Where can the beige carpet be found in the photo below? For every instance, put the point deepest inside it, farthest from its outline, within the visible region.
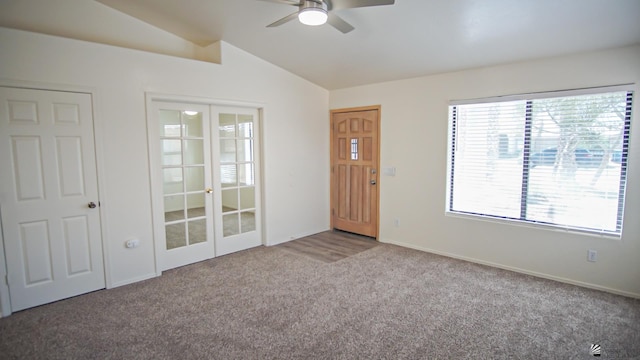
(383, 303)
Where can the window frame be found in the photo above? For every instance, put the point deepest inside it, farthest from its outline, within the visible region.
(453, 128)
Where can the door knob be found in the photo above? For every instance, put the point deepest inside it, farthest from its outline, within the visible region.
(92, 205)
(208, 190)
(373, 182)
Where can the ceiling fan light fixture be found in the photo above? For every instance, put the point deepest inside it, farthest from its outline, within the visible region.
(313, 16)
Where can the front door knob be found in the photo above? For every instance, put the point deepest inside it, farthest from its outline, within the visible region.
(373, 182)
(92, 205)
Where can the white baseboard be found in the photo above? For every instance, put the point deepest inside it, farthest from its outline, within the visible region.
(134, 280)
(515, 269)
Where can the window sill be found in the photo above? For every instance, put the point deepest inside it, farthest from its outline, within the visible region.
(533, 225)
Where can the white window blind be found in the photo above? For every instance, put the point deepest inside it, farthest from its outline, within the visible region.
(556, 160)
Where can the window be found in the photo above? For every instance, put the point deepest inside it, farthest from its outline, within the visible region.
(556, 158)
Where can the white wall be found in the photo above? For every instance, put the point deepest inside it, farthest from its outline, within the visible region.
(295, 131)
(414, 111)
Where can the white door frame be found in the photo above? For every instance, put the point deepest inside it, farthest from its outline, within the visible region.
(5, 302)
(151, 97)
(5, 299)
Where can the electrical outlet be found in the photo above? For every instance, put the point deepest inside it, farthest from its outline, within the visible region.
(592, 255)
(133, 243)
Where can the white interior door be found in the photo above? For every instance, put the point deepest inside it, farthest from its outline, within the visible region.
(237, 173)
(49, 196)
(181, 183)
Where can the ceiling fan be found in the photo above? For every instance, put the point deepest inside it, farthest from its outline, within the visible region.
(318, 12)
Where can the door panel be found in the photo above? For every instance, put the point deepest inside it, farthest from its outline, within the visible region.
(354, 164)
(75, 229)
(69, 159)
(52, 238)
(27, 167)
(36, 251)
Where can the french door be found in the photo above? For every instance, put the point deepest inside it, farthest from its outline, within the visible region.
(182, 179)
(237, 173)
(204, 181)
(50, 208)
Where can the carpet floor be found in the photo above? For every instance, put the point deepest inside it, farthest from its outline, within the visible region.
(386, 302)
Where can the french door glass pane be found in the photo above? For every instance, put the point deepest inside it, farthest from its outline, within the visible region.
(227, 150)
(245, 150)
(248, 221)
(197, 231)
(231, 225)
(173, 183)
(245, 126)
(227, 125)
(173, 208)
(228, 175)
(247, 197)
(229, 200)
(194, 177)
(176, 236)
(245, 174)
(193, 152)
(193, 125)
(169, 123)
(171, 152)
(195, 205)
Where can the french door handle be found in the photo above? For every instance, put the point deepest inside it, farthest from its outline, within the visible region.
(208, 190)
(373, 182)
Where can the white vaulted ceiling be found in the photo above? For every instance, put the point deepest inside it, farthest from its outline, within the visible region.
(411, 38)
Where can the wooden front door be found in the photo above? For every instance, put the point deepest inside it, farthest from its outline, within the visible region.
(354, 170)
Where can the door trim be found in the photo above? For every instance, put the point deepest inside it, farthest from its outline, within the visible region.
(98, 144)
(5, 298)
(377, 163)
(150, 98)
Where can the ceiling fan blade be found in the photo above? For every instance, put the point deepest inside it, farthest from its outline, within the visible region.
(285, 19)
(337, 22)
(285, 2)
(350, 4)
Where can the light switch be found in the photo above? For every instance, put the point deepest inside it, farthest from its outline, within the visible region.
(389, 171)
